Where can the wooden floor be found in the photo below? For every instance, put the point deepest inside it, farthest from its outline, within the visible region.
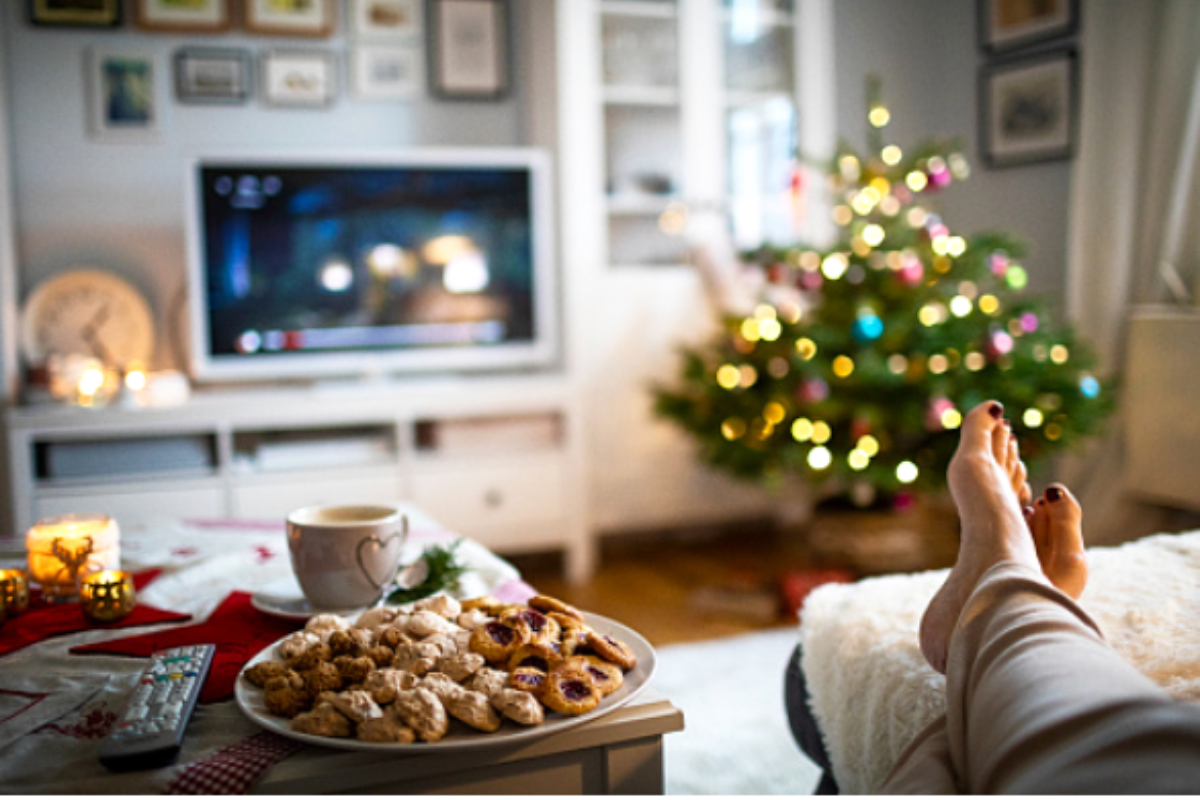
(665, 585)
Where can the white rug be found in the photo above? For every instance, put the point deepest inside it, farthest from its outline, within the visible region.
(736, 739)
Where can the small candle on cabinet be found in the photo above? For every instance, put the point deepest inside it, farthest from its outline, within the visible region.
(61, 549)
(14, 590)
(107, 596)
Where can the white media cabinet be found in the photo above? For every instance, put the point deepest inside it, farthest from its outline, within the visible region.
(495, 458)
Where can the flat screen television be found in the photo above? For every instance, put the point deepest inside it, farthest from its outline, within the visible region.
(319, 265)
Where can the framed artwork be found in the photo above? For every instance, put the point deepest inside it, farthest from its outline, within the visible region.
(1028, 109)
(1009, 24)
(468, 51)
(183, 16)
(298, 78)
(123, 96)
(388, 72)
(86, 13)
(209, 75)
(313, 18)
(386, 19)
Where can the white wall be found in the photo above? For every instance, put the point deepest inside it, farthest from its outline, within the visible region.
(120, 206)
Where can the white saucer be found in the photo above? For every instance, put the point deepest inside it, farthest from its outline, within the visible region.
(294, 608)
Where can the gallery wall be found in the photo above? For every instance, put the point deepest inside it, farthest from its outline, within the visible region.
(78, 200)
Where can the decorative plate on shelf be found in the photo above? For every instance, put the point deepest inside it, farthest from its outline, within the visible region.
(250, 699)
(87, 312)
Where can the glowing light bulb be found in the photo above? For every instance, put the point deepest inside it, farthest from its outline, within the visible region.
(938, 364)
(960, 306)
(916, 181)
(1032, 418)
(842, 215)
(728, 376)
(806, 348)
(750, 330)
(843, 366)
(897, 364)
(858, 460)
(821, 432)
(774, 413)
(1016, 277)
(747, 376)
(891, 155)
(733, 428)
(819, 458)
(957, 246)
(1089, 386)
(802, 429)
(906, 472)
(849, 167)
(951, 419)
(975, 361)
(879, 116)
(834, 266)
(917, 217)
(873, 235)
(890, 205)
(769, 329)
(1059, 354)
(868, 444)
(989, 304)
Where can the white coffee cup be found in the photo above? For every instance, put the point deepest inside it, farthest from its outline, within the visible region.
(345, 556)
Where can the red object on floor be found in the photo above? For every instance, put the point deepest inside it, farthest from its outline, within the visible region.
(796, 586)
(237, 628)
(44, 620)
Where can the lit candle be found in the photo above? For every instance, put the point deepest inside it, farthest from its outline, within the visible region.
(107, 596)
(64, 548)
(14, 590)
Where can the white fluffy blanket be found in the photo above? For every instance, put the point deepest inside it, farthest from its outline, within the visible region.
(871, 691)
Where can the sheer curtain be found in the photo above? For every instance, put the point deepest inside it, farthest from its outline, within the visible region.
(1135, 207)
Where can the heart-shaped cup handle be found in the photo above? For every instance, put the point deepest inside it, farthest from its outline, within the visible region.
(381, 543)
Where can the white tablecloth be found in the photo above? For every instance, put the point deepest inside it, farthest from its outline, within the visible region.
(55, 708)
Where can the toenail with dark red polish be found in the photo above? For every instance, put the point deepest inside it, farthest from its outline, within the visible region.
(996, 410)
(1054, 493)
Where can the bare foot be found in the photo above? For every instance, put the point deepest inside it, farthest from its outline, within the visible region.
(982, 482)
(1058, 536)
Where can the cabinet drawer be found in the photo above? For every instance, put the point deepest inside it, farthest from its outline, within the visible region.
(136, 506)
(274, 498)
(507, 507)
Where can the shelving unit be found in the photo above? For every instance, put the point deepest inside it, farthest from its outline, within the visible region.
(495, 458)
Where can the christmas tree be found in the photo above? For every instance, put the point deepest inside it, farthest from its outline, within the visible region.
(861, 358)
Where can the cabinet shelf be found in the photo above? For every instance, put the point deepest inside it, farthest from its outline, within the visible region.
(642, 8)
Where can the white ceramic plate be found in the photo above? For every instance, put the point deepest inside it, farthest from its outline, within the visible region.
(294, 608)
(250, 699)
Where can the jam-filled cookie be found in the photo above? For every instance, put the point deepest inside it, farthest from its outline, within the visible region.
(608, 677)
(612, 650)
(496, 641)
(528, 679)
(540, 655)
(540, 627)
(547, 604)
(570, 691)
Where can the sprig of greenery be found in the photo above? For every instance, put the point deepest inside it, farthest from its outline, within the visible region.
(445, 572)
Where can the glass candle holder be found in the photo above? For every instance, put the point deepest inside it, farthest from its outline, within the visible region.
(62, 549)
(107, 596)
(14, 590)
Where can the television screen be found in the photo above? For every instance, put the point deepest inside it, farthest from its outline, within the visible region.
(411, 261)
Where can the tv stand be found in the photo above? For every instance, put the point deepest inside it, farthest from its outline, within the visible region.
(497, 458)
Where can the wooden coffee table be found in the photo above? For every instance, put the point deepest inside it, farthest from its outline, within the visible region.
(619, 753)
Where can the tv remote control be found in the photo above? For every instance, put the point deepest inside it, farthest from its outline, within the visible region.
(150, 731)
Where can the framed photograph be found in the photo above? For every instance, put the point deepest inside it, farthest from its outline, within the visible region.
(298, 78)
(386, 19)
(1009, 24)
(313, 18)
(85, 13)
(206, 75)
(123, 96)
(183, 16)
(468, 51)
(1028, 109)
(388, 72)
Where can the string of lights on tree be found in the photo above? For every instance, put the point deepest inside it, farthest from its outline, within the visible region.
(863, 375)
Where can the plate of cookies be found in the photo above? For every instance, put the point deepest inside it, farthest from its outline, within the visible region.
(443, 673)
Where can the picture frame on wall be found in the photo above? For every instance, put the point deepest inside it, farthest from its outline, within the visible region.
(386, 19)
(311, 18)
(1006, 25)
(82, 13)
(123, 105)
(468, 51)
(298, 78)
(1028, 109)
(191, 16)
(208, 75)
(388, 72)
